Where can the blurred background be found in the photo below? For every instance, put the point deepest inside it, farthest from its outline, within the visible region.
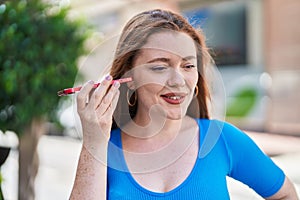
(255, 45)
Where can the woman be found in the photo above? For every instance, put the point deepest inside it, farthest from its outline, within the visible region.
(152, 138)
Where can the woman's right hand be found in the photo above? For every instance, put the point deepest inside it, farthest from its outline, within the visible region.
(95, 109)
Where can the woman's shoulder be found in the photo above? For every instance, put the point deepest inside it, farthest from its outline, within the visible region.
(220, 124)
(234, 137)
(226, 130)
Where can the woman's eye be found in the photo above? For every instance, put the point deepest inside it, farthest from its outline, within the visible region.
(158, 68)
(189, 66)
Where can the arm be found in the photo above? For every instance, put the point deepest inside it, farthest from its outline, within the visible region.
(96, 119)
(90, 181)
(254, 168)
(286, 192)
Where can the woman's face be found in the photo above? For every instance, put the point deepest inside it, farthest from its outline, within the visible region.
(165, 74)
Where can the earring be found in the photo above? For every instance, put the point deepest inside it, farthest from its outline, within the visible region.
(196, 91)
(128, 98)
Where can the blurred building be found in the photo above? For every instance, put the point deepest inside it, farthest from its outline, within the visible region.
(258, 43)
(255, 44)
(282, 60)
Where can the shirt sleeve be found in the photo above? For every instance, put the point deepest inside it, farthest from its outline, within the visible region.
(250, 165)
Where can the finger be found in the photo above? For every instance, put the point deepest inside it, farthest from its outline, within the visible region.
(108, 98)
(83, 94)
(114, 103)
(108, 114)
(100, 92)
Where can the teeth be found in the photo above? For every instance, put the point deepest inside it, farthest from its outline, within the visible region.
(175, 97)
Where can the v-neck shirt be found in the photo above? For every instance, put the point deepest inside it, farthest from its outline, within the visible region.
(224, 150)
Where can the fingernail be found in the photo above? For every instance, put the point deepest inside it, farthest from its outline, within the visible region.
(116, 84)
(108, 77)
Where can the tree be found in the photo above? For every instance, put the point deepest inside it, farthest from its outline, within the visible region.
(39, 49)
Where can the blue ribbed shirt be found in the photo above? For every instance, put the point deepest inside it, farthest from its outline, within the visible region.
(224, 151)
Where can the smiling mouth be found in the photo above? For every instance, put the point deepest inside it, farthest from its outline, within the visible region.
(172, 98)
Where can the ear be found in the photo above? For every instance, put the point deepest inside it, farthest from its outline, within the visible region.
(131, 85)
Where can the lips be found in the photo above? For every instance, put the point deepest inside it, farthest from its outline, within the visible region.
(174, 98)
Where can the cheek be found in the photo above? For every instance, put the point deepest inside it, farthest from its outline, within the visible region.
(142, 78)
(191, 80)
(149, 89)
(148, 93)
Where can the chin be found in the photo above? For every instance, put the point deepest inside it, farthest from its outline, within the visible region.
(171, 113)
(176, 116)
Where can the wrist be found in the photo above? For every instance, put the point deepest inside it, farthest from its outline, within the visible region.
(96, 145)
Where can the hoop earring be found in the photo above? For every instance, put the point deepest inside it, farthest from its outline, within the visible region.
(196, 91)
(128, 98)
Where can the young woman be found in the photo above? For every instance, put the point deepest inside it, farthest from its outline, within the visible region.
(152, 138)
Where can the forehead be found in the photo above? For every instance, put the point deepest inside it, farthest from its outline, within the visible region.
(177, 43)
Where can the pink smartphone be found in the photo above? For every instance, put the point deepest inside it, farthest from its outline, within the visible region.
(68, 91)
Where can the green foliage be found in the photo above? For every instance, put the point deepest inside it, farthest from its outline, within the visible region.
(242, 103)
(39, 48)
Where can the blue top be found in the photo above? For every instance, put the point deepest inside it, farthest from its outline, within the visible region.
(224, 151)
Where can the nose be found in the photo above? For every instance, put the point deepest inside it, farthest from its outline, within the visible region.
(175, 79)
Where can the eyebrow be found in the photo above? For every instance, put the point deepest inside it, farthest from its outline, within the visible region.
(189, 58)
(166, 60)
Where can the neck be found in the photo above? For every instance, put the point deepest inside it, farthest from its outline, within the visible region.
(155, 123)
(147, 137)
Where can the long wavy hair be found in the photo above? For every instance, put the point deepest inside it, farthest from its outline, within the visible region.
(135, 35)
